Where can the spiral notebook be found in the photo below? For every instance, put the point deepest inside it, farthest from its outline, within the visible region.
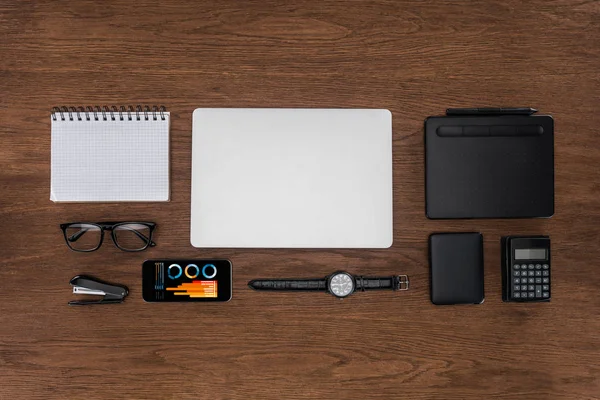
(102, 154)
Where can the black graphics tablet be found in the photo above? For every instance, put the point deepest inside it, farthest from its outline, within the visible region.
(489, 166)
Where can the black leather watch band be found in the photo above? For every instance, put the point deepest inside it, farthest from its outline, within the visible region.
(392, 282)
(288, 284)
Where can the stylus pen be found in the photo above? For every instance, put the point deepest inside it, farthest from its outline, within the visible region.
(491, 111)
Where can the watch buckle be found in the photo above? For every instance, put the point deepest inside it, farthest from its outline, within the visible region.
(403, 282)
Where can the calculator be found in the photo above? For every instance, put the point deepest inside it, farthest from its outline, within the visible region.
(526, 268)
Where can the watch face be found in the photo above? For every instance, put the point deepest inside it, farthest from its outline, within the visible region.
(341, 284)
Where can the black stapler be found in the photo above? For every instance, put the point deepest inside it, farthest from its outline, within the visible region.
(91, 286)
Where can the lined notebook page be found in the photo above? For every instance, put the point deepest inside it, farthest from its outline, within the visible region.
(110, 160)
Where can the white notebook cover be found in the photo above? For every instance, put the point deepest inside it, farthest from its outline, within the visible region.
(109, 161)
(292, 178)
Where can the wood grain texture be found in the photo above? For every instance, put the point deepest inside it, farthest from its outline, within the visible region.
(414, 58)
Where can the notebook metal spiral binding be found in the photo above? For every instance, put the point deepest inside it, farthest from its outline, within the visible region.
(104, 113)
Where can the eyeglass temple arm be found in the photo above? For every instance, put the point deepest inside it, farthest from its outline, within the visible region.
(74, 237)
(140, 235)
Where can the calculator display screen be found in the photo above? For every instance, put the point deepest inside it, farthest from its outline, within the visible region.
(530, 254)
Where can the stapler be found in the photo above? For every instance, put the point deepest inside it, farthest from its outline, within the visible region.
(87, 285)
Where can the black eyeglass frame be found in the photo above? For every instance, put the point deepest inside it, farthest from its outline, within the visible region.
(110, 226)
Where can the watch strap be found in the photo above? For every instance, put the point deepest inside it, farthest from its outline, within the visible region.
(396, 282)
(288, 284)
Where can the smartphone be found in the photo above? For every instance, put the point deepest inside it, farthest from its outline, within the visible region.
(186, 280)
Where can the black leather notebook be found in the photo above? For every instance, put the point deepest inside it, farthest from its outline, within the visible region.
(456, 261)
(489, 166)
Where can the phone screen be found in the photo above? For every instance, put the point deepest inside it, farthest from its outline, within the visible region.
(186, 280)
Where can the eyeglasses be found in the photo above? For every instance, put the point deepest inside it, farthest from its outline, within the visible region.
(127, 236)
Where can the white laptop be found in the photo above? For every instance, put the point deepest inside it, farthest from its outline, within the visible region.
(291, 178)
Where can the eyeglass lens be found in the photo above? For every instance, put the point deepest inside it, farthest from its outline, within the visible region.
(131, 236)
(83, 237)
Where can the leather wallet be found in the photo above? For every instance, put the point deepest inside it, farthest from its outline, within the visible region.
(456, 261)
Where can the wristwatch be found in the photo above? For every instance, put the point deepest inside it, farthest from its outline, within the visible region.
(340, 284)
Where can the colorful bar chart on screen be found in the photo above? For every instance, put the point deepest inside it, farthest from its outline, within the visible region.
(196, 289)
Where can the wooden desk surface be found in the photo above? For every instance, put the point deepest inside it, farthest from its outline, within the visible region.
(415, 59)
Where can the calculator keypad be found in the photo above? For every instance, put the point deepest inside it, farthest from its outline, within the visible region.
(530, 282)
